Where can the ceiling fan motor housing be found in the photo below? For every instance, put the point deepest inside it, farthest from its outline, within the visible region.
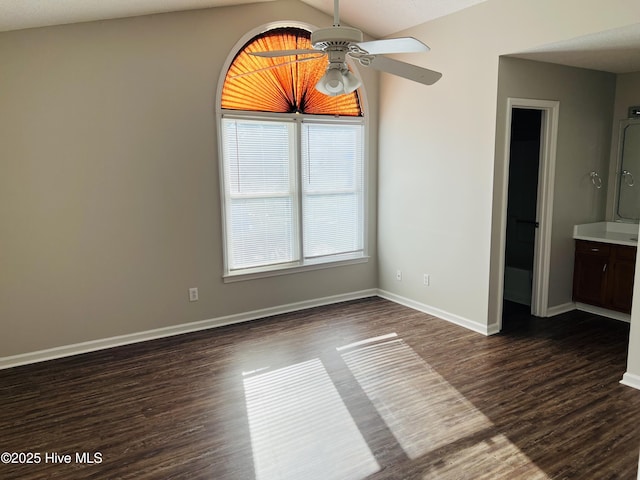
(336, 36)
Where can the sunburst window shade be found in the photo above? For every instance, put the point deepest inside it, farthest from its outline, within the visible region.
(282, 84)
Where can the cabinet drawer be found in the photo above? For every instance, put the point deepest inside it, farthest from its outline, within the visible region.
(593, 248)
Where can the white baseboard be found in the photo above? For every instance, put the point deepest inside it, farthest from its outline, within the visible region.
(631, 380)
(101, 344)
(603, 312)
(450, 317)
(559, 309)
(94, 345)
(583, 307)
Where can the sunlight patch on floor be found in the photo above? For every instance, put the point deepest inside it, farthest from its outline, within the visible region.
(301, 429)
(412, 398)
(496, 457)
(427, 416)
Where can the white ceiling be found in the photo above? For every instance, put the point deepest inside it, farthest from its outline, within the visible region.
(616, 51)
(381, 18)
(376, 17)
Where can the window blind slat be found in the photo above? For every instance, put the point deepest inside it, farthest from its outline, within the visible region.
(257, 156)
(260, 197)
(332, 189)
(261, 201)
(262, 232)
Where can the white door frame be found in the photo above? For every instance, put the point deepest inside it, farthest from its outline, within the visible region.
(544, 210)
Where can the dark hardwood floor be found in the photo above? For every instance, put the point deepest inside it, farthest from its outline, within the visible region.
(364, 389)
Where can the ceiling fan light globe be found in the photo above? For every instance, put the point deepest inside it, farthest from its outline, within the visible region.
(333, 81)
(351, 82)
(321, 88)
(335, 87)
(336, 82)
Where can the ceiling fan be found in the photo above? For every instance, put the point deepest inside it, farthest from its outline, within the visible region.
(338, 42)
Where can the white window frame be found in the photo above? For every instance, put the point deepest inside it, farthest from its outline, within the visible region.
(268, 271)
(298, 265)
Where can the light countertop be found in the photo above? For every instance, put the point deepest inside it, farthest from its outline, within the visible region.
(608, 232)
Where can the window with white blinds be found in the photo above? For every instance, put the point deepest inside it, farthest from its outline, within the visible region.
(331, 190)
(293, 192)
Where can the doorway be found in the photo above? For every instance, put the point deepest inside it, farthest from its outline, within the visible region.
(522, 202)
(540, 127)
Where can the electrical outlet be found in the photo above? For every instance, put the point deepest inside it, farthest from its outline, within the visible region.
(426, 279)
(399, 275)
(193, 294)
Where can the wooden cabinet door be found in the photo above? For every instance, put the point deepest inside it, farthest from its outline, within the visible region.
(590, 273)
(620, 285)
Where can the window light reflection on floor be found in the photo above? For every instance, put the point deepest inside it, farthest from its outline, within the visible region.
(411, 397)
(300, 427)
(428, 416)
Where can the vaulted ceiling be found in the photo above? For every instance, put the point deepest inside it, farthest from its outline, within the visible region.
(616, 51)
(379, 18)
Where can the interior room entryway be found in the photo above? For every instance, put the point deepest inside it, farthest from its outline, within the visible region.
(528, 205)
(522, 219)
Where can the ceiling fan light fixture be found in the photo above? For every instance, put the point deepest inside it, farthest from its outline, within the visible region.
(336, 82)
(351, 82)
(338, 42)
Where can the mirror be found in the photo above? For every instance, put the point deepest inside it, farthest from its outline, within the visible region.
(628, 201)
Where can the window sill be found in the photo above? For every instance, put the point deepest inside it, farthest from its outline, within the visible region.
(286, 270)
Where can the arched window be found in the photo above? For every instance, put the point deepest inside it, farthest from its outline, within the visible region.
(292, 162)
(282, 84)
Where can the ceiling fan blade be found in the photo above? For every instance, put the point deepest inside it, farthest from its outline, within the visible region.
(394, 45)
(286, 53)
(405, 70)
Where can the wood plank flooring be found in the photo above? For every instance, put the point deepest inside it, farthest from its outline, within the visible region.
(364, 389)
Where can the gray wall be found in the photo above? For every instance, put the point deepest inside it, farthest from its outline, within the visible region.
(109, 198)
(437, 152)
(584, 134)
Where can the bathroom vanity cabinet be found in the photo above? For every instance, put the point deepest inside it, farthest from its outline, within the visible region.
(603, 275)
